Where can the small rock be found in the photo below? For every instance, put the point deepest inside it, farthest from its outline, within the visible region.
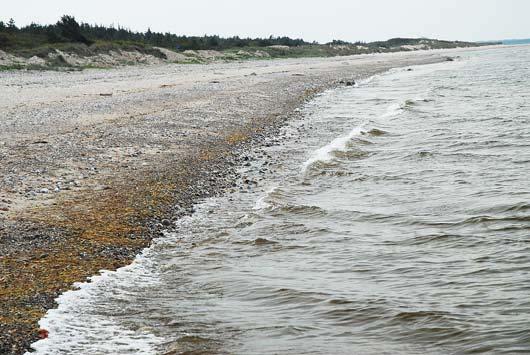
(347, 82)
(43, 333)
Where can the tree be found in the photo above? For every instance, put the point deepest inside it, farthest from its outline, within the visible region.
(148, 34)
(11, 25)
(70, 30)
(213, 42)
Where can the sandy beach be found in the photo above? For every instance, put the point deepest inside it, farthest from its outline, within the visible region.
(95, 164)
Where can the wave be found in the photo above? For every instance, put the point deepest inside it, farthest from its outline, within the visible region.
(274, 202)
(394, 110)
(81, 323)
(68, 333)
(325, 154)
(398, 108)
(302, 210)
(365, 81)
(494, 219)
(376, 132)
(514, 207)
(262, 202)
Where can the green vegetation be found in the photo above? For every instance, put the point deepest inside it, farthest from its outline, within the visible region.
(11, 67)
(61, 45)
(68, 30)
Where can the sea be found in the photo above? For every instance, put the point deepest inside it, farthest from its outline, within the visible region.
(389, 217)
(516, 41)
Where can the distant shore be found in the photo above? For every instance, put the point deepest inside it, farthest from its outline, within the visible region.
(96, 164)
(78, 56)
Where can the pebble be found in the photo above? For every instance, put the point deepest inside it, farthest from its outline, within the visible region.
(194, 119)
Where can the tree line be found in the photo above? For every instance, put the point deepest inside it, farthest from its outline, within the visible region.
(68, 30)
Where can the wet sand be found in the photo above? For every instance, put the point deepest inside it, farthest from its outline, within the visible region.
(95, 164)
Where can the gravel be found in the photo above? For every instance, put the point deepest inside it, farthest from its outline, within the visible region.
(87, 179)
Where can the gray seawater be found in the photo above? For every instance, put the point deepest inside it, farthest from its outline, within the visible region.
(393, 218)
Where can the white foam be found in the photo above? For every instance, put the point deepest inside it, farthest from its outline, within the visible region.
(261, 202)
(398, 108)
(394, 110)
(325, 154)
(365, 81)
(76, 323)
(80, 326)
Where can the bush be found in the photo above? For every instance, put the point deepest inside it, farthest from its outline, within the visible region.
(5, 40)
(70, 29)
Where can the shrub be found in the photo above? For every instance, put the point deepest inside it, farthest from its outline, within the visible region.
(70, 29)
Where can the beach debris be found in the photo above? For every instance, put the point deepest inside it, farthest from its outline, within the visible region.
(105, 94)
(43, 333)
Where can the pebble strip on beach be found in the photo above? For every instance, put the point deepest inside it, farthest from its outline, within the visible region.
(95, 164)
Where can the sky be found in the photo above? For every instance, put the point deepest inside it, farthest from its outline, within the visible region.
(312, 20)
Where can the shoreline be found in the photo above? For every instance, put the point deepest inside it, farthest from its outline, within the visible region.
(136, 131)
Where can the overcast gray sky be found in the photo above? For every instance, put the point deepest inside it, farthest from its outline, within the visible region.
(320, 20)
